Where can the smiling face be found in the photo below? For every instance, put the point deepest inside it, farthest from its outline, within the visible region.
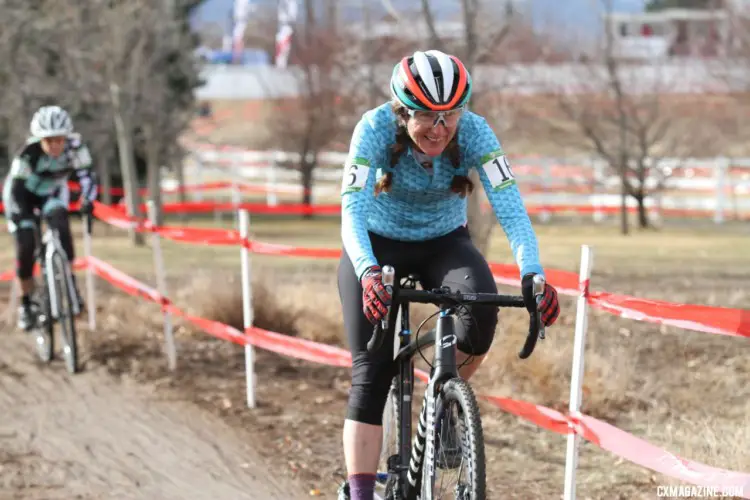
(432, 131)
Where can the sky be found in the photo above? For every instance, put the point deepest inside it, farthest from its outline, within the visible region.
(566, 14)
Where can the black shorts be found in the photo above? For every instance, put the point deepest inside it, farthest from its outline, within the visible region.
(451, 260)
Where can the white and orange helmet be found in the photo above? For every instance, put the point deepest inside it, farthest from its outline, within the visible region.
(431, 81)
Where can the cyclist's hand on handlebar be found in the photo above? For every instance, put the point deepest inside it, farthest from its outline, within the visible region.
(375, 296)
(548, 307)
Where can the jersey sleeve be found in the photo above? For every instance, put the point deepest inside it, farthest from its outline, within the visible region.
(18, 198)
(487, 156)
(357, 192)
(81, 161)
(20, 168)
(80, 155)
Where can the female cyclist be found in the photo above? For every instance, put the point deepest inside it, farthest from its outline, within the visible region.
(38, 180)
(404, 192)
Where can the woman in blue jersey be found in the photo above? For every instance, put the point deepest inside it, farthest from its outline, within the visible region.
(404, 198)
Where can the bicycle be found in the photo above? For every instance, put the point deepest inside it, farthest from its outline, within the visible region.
(56, 297)
(411, 467)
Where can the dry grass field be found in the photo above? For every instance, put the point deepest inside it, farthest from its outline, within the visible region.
(685, 391)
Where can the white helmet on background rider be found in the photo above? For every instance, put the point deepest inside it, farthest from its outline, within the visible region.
(51, 121)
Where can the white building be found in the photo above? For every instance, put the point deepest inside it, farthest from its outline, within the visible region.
(672, 33)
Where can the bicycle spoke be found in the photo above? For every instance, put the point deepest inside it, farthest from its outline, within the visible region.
(460, 475)
(451, 482)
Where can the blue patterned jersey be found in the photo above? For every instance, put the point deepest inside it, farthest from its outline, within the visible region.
(420, 204)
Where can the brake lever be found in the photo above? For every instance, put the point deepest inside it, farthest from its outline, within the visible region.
(389, 278)
(535, 321)
(381, 327)
(539, 283)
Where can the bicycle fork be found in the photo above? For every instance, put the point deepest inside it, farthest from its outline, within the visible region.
(424, 447)
(52, 247)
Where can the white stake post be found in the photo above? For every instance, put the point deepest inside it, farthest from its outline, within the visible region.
(161, 284)
(247, 308)
(721, 170)
(91, 304)
(576, 380)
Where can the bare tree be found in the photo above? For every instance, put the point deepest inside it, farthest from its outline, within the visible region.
(433, 39)
(162, 115)
(49, 52)
(125, 47)
(112, 63)
(323, 112)
(624, 114)
(368, 52)
(27, 46)
(732, 68)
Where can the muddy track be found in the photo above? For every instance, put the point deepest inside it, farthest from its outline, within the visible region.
(92, 436)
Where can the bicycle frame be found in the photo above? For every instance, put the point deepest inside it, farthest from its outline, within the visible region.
(49, 245)
(445, 340)
(445, 368)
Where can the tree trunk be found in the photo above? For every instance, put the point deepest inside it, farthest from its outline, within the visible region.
(106, 181)
(369, 55)
(435, 41)
(127, 162)
(180, 172)
(643, 221)
(154, 171)
(308, 167)
(623, 202)
(309, 150)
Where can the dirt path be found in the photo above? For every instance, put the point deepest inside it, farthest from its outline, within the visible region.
(94, 437)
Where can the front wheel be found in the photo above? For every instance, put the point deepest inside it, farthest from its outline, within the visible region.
(44, 338)
(389, 450)
(459, 467)
(65, 311)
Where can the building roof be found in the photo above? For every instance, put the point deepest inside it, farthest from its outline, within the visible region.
(668, 15)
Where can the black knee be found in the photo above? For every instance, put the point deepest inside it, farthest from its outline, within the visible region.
(475, 327)
(58, 219)
(371, 382)
(25, 244)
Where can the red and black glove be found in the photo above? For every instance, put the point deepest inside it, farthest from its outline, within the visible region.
(549, 307)
(375, 296)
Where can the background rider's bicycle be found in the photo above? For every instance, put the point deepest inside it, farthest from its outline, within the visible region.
(56, 297)
(449, 440)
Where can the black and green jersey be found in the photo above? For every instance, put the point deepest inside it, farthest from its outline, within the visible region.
(35, 176)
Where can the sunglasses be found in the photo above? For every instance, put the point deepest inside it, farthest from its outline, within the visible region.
(435, 118)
